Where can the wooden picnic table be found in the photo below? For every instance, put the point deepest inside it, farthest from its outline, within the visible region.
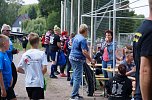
(116, 70)
(94, 65)
(110, 70)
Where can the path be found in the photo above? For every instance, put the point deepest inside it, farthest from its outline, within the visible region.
(57, 89)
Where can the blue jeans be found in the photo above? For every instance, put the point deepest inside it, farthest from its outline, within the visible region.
(104, 65)
(77, 76)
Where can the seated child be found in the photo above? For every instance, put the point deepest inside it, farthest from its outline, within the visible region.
(119, 87)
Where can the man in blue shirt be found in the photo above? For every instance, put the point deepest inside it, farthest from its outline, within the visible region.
(6, 30)
(77, 57)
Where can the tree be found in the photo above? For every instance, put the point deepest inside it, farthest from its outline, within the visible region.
(53, 19)
(32, 13)
(47, 6)
(9, 12)
(37, 25)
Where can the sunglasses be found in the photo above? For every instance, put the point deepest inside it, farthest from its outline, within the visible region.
(7, 30)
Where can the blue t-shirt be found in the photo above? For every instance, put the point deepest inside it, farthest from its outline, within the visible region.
(79, 43)
(5, 68)
(129, 67)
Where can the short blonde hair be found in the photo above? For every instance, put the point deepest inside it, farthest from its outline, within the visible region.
(3, 38)
(83, 28)
(33, 38)
(5, 26)
(57, 29)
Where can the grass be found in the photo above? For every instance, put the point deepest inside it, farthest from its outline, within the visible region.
(19, 46)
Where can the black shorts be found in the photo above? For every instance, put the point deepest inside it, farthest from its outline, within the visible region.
(35, 92)
(10, 94)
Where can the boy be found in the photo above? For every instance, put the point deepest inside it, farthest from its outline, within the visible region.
(6, 79)
(34, 65)
(119, 87)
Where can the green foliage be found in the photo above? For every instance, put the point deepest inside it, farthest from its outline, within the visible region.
(37, 25)
(47, 6)
(53, 19)
(32, 13)
(8, 12)
(27, 9)
(23, 10)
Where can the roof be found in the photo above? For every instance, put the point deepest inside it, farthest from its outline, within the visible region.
(17, 33)
(20, 19)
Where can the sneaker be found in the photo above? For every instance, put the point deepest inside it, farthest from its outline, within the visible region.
(68, 78)
(62, 75)
(76, 98)
(56, 73)
(53, 76)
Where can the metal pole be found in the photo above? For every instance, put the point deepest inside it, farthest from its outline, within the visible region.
(92, 35)
(78, 14)
(114, 32)
(95, 27)
(119, 40)
(62, 7)
(109, 20)
(65, 14)
(71, 25)
(81, 19)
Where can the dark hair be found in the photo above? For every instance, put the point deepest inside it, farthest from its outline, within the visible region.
(110, 32)
(122, 69)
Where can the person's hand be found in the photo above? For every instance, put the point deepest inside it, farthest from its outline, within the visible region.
(93, 62)
(18, 51)
(3, 93)
(106, 39)
(11, 82)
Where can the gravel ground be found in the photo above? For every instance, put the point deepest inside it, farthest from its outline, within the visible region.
(57, 89)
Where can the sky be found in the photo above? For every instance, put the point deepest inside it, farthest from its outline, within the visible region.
(143, 10)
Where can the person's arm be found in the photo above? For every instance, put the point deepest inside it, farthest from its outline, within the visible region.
(44, 69)
(58, 41)
(20, 70)
(3, 90)
(108, 86)
(129, 87)
(146, 77)
(44, 63)
(59, 44)
(21, 65)
(86, 54)
(131, 71)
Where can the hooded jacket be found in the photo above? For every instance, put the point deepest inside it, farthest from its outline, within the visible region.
(119, 88)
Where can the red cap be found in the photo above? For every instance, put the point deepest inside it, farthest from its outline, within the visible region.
(64, 33)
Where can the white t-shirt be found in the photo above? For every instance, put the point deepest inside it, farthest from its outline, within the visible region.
(32, 62)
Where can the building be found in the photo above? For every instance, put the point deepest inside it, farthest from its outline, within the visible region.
(17, 25)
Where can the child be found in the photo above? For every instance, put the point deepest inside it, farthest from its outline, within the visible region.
(6, 79)
(34, 64)
(119, 87)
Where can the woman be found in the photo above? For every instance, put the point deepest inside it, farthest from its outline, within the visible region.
(77, 57)
(107, 49)
(55, 46)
